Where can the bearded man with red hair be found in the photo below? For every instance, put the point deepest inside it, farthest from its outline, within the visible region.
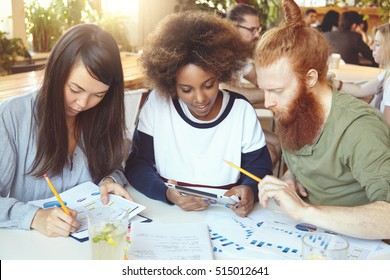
(336, 147)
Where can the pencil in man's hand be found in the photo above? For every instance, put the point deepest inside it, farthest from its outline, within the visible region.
(247, 173)
(53, 189)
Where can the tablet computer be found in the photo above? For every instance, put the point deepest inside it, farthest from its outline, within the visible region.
(221, 199)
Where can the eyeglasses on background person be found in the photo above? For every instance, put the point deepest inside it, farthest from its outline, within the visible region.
(253, 30)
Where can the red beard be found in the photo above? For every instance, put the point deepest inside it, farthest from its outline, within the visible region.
(302, 122)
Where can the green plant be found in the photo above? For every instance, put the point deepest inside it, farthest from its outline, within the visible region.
(118, 29)
(203, 5)
(75, 9)
(45, 24)
(275, 14)
(269, 12)
(384, 10)
(383, 7)
(10, 49)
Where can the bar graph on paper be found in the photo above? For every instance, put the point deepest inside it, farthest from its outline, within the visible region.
(85, 198)
(285, 239)
(270, 236)
(278, 238)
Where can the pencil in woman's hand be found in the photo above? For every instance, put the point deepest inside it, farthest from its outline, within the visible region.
(53, 189)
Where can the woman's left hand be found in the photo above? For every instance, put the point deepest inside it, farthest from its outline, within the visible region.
(109, 186)
(245, 205)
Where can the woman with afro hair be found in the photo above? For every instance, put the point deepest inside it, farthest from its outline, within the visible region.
(188, 127)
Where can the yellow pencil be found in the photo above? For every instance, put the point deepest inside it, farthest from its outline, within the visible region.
(254, 177)
(53, 189)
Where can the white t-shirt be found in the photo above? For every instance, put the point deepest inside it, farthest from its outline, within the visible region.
(189, 150)
(386, 91)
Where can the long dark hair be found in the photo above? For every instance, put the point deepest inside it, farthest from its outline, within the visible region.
(348, 18)
(99, 130)
(331, 18)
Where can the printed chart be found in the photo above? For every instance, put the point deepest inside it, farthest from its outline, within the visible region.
(270, 235)
(85, 198)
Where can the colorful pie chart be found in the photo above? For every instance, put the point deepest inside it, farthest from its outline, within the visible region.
(306, 227)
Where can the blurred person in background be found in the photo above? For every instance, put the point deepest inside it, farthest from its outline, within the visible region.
(380, 87)
(310, 17)
(330, 21)
(349, 43)
(246, 18)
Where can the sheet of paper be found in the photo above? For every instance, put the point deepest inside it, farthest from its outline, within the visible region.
(85, 198)
(161, 241)
(271, 235)
(281, 227)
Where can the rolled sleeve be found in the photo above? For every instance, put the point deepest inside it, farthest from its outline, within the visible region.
(379, 191)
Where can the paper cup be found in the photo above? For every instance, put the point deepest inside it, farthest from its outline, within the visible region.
(334, 61)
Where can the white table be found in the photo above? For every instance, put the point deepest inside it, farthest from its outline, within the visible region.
(24, 244)
(28, 245)
(355, 73)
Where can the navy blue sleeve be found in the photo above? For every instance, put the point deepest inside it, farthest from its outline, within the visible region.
(258, 163)
(140, 168)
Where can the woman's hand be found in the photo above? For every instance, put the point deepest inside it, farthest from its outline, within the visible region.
(109, 186)
(245, 205)
(186, 202)
(55, 222)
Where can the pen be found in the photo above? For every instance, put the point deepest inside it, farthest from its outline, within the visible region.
(56, 194)
(254, 177)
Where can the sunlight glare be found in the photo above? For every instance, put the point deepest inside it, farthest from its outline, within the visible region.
(120, 7)
(42, 3)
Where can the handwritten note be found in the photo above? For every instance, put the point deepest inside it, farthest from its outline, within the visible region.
(158, 241)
